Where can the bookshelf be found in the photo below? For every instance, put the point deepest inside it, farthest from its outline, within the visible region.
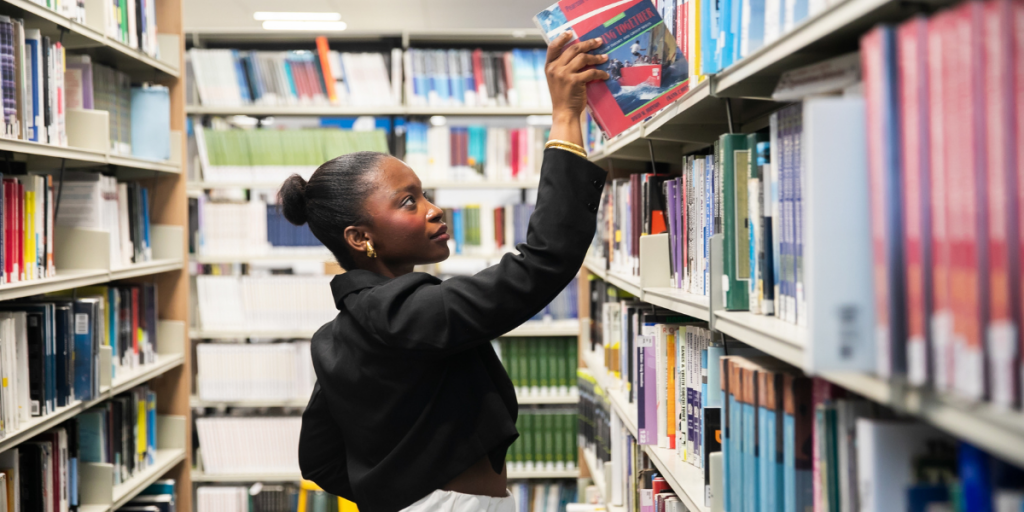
(82, 257)
(263, 111)
(532, 329)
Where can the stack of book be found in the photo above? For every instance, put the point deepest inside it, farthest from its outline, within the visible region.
(254, 304)
(481, 230)
(33, 98)
(51, 348)
(233, 372)
(322, 78)
(273, 155)
(475, 78)
(540, 366)
(542, 496)
(268, 498)
(96, 202)
(43, 472)
(547, 440)
(251, 444)
(475, 152)
(252, 228)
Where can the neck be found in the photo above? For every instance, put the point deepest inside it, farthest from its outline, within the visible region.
(383, 268)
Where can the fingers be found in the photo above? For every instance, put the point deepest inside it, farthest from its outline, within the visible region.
(557, 45)
(590, 75)
(583, 47)
(585, 59)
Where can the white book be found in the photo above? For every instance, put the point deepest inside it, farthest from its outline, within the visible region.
(837, 237)
(614, 485)
(886, 451)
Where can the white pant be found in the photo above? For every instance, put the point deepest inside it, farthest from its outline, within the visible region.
(451, 501)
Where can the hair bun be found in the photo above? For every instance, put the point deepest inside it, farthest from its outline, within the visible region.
(292, 198)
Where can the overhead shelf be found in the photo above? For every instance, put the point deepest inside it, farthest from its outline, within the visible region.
(48, 157)
(544, 473)
(340, 111)
(76, 278)
(83, 37)
(199, 186)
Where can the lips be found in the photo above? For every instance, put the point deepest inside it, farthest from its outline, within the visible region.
(441, 234)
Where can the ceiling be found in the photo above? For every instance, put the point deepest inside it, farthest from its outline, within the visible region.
(370, 16)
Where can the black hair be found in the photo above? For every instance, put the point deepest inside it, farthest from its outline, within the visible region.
(332, 199)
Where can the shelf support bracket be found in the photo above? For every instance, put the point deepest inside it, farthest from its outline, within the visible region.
(63, 30)
(60, 189)
(650, 147)
(728, 114)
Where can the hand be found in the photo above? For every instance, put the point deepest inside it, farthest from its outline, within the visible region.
(566, 82)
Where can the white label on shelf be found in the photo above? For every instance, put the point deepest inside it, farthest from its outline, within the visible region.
(81, 323)
(725, 290)
(644, 341)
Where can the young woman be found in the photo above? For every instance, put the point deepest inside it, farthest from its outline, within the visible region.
(412, 410)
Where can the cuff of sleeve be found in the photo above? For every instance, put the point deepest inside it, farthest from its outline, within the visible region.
(566, 169)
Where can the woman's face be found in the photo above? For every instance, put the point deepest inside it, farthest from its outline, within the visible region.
(406, 229)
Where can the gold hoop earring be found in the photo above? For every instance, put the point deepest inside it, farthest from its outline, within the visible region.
(369, 250)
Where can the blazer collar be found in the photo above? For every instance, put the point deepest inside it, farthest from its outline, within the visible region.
(353, 281)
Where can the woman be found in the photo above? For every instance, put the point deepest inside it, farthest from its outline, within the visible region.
(412, 410)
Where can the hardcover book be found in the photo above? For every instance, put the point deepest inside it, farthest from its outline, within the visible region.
(646, 67)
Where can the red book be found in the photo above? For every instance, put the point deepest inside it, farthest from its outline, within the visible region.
(938, 93)
(682, 31)
(1001, 330)
(514, 150)
(966, 185)
(1018, 164)
(19, 204)
(478, 76)
(499, 227)
(912, 66)
(8, 231)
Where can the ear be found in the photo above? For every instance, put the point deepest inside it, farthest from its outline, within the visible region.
(356, 238)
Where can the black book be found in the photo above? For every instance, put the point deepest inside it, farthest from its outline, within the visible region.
(489, 77)
(124, 341)
(64, 350)
(30, 477)
(500, 80)
(132, 222)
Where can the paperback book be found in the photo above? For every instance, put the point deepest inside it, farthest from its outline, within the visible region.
(646, 67)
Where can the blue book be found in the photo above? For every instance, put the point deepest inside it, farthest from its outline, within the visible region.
(797, 425)
(975, 469)
(764, 474)
(253, 74)
(292, 91)
(243, 86)
(796, 178)
(735, 449)
(84, 355)
(33, 41)
(732, 38)
(151, 122)
(440, 76)
(455, 78)
(751, 502)
(421, 76)
(460, 230)
(468, 80)
(159, 487)
(114, 327)
(151, 426)
(709, 22)
(92, 436)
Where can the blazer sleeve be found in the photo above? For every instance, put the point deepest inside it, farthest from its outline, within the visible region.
(421, 313)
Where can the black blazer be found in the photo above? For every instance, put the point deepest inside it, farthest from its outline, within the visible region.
(409, 391)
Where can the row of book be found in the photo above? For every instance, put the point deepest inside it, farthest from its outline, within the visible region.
(248, 444)
(947, 198)
(132, 22)
(267, 498)
(268, 155)
(50, 354)
(254, 304)
(539, 366)
(542, 496)
(483, 231)
(475, 152)
(243, 228)
(225, 77)
(234, 372)
(547, 440)
(139, 117)
(631, 479)
(475, 78)
(71, 9)
(44, 472)
(93, 201)
(27, 224)
(159, 496)
(33, 95)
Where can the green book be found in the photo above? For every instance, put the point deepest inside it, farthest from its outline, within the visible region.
(733, 157)
(559, 440)
(517, 447)
(559, 369)
(549, 440)
(535, 374)
(570, 441)
(755, 198)
(571, 364)
(510, 359)
(526, 439)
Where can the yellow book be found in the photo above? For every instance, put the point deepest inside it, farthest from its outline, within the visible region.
(142, 437)
(29, 270)
(670, 401)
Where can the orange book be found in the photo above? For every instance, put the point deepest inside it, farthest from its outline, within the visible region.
(325, 65)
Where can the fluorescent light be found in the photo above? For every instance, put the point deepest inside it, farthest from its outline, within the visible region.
(319, 26)
(296, 16)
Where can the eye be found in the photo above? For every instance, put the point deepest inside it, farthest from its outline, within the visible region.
(408, 201)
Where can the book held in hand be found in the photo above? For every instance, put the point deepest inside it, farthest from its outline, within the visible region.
(646, 67)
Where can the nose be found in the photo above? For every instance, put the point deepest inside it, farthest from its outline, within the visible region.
(434, 214)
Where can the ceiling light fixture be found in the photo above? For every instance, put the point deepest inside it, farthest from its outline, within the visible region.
(319, 26)
(296, 16)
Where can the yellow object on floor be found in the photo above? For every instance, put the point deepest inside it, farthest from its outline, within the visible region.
(306, 501)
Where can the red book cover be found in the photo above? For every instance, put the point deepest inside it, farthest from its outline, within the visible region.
(647, 68)
(478, 75)
(524, 151)
(1001, 330)
(8, 232)
(1018, 174)
(683, 28)
(511, 90)
(938, 94)
(514, 150)
(912, 67)
(966, 180)
(135, 322)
